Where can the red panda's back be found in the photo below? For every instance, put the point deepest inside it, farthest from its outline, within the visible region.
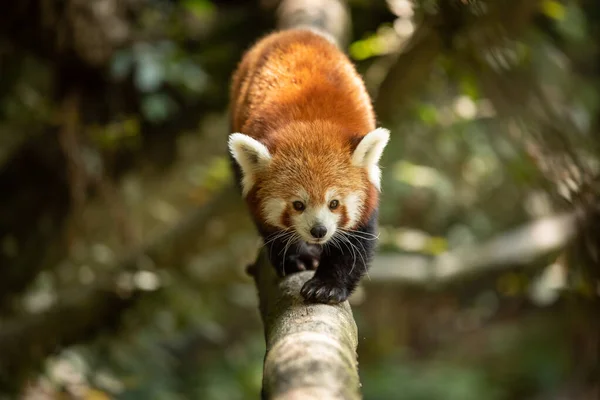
(298, 75)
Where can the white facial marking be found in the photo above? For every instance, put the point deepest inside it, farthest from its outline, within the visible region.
(354, 206)
(303, 196)
(369, 151)
(251, 155)
(273, 211)
(313, 216)
(317, 214)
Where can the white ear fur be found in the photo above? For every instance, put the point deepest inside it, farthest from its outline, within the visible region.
(251, 155)
(369, 151)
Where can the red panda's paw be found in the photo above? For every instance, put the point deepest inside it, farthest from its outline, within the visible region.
(316, 290)
(304, 257)
(300, 262)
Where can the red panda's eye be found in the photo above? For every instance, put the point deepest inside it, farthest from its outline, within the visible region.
(298, 206)
(333, 204)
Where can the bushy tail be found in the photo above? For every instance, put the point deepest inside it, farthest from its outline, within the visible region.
(328, 17)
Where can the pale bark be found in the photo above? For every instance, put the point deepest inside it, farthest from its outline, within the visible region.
(532, 244)
(311, 348)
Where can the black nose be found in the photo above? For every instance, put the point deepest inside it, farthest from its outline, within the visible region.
(318, 231)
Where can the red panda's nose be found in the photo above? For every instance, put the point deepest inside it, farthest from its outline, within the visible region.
(318, 231)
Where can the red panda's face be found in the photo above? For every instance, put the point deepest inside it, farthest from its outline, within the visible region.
(315, 214)
(311, 185)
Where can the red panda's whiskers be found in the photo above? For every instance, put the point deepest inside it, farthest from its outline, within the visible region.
(277, 235)
(347, 237)
(290, 240)
(339, 243)
(336, 242)
(344, 240)
(363, 235)
(366, 269)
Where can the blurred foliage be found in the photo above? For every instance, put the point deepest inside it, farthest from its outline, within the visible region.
(501, 129)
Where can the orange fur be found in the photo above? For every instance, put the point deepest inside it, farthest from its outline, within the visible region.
(300, 96)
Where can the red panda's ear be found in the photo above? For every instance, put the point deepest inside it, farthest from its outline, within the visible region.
(369, 151)
(251, 155)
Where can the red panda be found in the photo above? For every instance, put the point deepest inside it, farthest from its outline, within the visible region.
(306, 153)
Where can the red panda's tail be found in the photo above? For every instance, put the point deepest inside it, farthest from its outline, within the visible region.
(328, 17)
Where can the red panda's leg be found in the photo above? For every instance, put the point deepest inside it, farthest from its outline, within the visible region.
(342, 267)
(303, 257)
(288, 257)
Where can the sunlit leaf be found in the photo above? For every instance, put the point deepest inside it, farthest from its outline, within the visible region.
(93, 394)
(437, 245)
(553, 9)
(383, 42)
(199, 8)
(573, 24)
(428, 114)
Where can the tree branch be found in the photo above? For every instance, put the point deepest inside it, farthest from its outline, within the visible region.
(332, 16)
(526, 245)
(311, 348)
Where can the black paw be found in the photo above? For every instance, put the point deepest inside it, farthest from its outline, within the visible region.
(299, 262)
(316, 290)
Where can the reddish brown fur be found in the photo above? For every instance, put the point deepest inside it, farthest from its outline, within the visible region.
(300, 95)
